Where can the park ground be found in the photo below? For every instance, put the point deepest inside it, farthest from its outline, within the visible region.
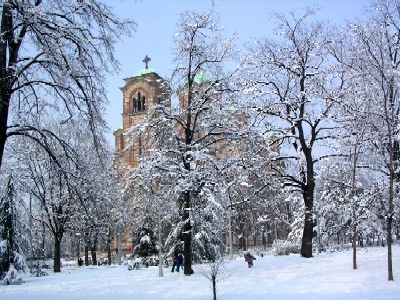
(328, 275)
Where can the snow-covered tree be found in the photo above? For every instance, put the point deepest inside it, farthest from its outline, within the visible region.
(293, 83)
(349, 209)
(377, 41)
(154, 213)
(54, 55)
(52, 191)
(96, 191)
(12, 258)
(53, 58)
(252, 198)
(183, 142)
(70, 184)
(346, 181)
(146, 237)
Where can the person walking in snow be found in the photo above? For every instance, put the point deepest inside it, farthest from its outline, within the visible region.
(175, 261)
(249, 259)
(180, 260)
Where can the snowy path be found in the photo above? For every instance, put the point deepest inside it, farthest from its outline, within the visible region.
(326, 276)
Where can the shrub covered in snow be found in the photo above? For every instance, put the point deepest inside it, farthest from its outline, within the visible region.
(281, 247)
(12, 276)
(146, 237)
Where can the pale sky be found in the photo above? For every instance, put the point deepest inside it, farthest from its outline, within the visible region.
(157, 21)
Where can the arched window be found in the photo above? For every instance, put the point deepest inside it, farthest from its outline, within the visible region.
(121, 141)
(139, 107)
(139, 103)
(140, 147)
(134, 108)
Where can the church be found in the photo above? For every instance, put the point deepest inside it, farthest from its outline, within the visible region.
(140, 92)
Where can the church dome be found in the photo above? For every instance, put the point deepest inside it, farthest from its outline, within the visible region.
(202, 78)
(144, 72)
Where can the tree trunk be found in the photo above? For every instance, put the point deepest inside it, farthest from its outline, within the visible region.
(187, 237)
(8, 55)
(214, 285)
(187, 252)
(389, 245)
(93, 253)
(6, 32)
(57, 253)
(4, 103)
(86, 254)
(109, 249)
(393, 165)
(354, 242)
(395, 175)
(353, 201)
(119, 245)
(160, 258)
(308, 175)
(78, 252)
(306, 242)
(255, 237)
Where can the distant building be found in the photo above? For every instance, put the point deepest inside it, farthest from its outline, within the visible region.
(140, 92)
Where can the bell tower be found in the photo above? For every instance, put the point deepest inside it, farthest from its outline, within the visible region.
(140, 92)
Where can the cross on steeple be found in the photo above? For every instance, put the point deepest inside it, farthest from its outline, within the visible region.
(146, 61)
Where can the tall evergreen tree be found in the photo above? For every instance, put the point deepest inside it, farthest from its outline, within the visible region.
(12, 260)
(146, 238)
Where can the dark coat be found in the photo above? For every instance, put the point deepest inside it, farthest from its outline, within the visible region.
(180, 258)
(249, 258)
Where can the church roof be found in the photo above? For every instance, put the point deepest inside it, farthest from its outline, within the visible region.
(144, 72)
(202, 78)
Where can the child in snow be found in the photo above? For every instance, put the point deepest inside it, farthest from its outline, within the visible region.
(180, 260)
(175, 261)
(249, 259)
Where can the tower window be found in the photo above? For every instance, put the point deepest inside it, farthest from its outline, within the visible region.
(135, 105)
(139, 103)
(121, 141)
(140, 146)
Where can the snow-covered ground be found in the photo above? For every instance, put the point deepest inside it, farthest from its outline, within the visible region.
(326, 276)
